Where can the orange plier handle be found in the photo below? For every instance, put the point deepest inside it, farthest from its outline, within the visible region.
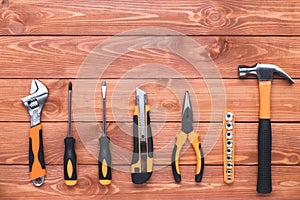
(193, 138)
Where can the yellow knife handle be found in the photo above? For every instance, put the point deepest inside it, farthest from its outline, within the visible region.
(136, 162)
(180, 140)
(142, 159)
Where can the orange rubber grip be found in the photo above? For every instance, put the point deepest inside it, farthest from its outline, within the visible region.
(265, 99)
(36, 153)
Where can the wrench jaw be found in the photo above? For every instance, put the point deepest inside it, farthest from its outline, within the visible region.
(35, 101)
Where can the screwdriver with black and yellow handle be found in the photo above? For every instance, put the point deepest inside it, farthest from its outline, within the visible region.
(104, 159)
(70, 160)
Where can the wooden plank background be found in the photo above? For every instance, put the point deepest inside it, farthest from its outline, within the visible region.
(49, 40)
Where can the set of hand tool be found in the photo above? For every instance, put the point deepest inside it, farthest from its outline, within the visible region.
(142, 158)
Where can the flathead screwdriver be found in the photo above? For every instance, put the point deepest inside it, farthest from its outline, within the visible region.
(70, 160)
(104, 159)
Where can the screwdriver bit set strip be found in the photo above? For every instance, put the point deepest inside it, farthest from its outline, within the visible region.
(229, 146)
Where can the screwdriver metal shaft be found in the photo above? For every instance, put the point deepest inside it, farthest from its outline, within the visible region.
(70, 111)
(104, 108)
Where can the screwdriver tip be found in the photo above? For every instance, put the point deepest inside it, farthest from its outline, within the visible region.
(70, 86)
(103, 89)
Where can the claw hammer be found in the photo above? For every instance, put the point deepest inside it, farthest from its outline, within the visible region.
(264, 73)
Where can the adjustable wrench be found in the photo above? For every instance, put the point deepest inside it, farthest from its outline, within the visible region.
(34, 104)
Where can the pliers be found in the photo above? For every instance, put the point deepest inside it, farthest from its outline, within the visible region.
(187, 132)
(34, 104)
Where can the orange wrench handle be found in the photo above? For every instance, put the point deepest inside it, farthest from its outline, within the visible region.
(36, 153)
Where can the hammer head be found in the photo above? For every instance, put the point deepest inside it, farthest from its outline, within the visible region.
(264, 72)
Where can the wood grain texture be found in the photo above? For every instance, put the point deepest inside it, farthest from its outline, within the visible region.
(160, 186)
(87, 144)
(190, 17)
(42, 57)
(165, 97)
(50, 40)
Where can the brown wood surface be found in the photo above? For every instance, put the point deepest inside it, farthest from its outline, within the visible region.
(190, 17)
(42, 56)
(51, 41)
(160, 186)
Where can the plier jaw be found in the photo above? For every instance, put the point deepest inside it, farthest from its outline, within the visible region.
(187, 115)
(35, 101)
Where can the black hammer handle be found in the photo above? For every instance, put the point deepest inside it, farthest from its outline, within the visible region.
(264, 182)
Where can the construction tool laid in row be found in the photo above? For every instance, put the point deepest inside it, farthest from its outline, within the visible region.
(142, 159)
(228, 146)
(104, 159)
(34, 104)
(70, 159)
(264, 73)
(187, 132)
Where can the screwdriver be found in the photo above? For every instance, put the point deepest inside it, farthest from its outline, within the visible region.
(70, 159)
(104, 159)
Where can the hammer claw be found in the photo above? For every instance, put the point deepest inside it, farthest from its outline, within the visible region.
(264, 72)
